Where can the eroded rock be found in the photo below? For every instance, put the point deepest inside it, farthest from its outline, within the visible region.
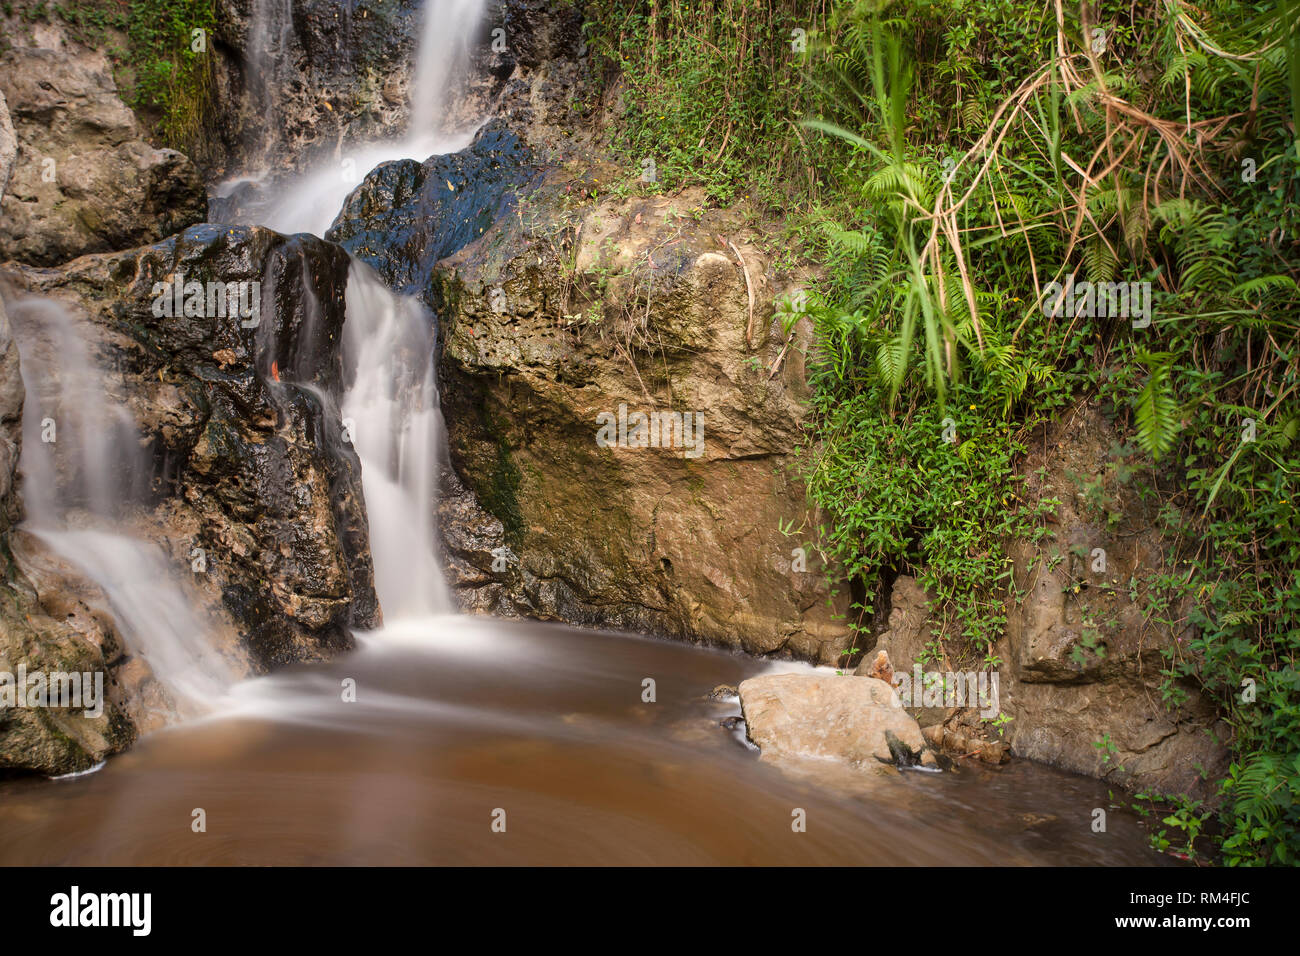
(857, 720)
(560, 317)
(241, 424)
(8, 145)
(1083, 660)
(84, 177)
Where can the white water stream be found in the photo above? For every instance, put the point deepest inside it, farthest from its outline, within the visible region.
(392, 408)
(309, 202)
(76, 486)
(82, 467)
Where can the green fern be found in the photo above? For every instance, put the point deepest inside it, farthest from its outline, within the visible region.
(1156, 410)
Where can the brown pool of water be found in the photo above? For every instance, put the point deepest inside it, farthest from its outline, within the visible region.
(460, 722)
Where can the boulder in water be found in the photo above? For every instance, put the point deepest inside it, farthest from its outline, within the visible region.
(858, 720)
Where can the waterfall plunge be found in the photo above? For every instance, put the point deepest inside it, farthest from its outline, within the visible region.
(392, 411)
(392, 404)
(83, 470)
(79, 488)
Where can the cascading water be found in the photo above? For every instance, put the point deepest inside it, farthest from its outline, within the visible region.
(269, 56)
(82, 471)
(310, 202)
(449, 26)
(81, 487)
(391, 407)
(392, 412)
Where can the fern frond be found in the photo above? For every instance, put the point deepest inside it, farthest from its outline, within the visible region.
(1156, 410)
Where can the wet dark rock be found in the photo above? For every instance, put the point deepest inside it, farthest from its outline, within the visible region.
(902, 755)
(407, 216)
(242, 426)
(332, 77)
(537, 32)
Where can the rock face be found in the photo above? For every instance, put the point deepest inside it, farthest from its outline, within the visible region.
(555, 315)
(857, 720)
(83, 177)
(1084, 663)
(540, 76)
(557, 321)
(11, 425)
(8, 145)
(1080, 666)
(296, 76)
(907, 630)
(241, 425)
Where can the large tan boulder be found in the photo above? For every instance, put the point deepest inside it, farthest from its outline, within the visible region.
(81, 176)
(844, 718)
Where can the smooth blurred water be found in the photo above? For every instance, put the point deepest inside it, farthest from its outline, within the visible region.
(78, 488)
(391, 409)
(457, 717)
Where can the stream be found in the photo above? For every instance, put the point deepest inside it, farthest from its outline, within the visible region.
(458, 717)
(448, 739)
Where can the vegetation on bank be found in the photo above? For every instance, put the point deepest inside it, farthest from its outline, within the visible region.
(945, 161)
(164, 68)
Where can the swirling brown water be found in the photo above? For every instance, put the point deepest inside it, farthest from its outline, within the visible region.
(457, 717)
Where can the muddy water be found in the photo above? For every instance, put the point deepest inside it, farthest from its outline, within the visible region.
(456, 718)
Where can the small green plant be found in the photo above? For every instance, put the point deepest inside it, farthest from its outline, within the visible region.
(171, 56)
(1106, 749)
(1180, 814)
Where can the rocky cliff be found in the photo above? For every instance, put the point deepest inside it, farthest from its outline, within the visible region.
(84, 178)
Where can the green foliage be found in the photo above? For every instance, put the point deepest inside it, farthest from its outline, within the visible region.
(1156, 412)
(172, 79)
(711, 92)
(1184, 822)
(904, 499)
(1222, 347)
(955, 157)
(161, 75)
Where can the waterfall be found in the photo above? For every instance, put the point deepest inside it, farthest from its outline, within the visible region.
(268, 57)
(85, 472)
(310, 202)
(392, 412)
(83, 469)
(449, 26)
(391, 407)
